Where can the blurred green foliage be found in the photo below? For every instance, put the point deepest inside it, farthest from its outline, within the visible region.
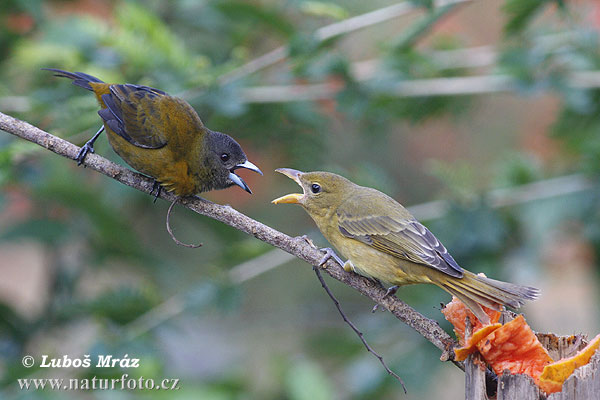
(114, 277)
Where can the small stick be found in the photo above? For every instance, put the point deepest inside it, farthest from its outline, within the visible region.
(355, 329)
(193, 246)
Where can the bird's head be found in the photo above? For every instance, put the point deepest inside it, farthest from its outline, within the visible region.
(226, 155)
(323, 191)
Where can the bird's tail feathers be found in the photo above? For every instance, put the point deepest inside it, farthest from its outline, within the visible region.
(475, 291)
(79, 78)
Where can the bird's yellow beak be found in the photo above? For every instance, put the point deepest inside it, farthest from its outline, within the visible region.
(293, 198)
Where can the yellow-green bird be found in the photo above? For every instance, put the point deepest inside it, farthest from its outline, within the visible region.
(382, 240)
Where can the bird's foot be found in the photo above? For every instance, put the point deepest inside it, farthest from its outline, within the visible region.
(156, 187)
(88, 147)
(85, 149)
(389, 292)
(329, 253)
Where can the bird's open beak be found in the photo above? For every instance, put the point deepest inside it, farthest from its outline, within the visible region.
(293, 198)
(238, 180)
(248, 165)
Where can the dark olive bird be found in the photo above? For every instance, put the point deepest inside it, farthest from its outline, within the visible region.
(382, 240)
(163, 137)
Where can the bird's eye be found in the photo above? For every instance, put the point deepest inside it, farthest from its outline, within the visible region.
(315, 188)
(224, 157)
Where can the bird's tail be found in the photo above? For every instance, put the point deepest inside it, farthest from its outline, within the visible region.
(79, 78)
(475, 291)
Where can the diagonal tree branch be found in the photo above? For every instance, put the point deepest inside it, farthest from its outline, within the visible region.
(298, 247)
(447, 86)
(329, 31)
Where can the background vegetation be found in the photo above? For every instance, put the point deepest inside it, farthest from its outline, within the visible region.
(88, 268)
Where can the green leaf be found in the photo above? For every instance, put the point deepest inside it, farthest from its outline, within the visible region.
(307, 381)
(470, 231)
(47, 231)
(417, 30)
(518, 169)
(145, 41)
(521, 12)
(256, 13)
(324, 9)
(120, 305)
(14, 326)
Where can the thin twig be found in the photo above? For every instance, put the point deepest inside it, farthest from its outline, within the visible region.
(15, 103)
(461, 58)
(469, 57)
(259, 265)
(154, 317)
(327, 32)
(354, 328)
(180, 243)
(455, 86)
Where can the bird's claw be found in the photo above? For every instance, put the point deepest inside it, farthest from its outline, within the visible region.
(156, 186)
(85, 149)
(88, 147)
(329, 253)
(389, 292)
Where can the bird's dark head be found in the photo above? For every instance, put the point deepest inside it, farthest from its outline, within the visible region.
(225, 156)
(323, 191)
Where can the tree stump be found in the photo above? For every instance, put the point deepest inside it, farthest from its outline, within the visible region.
(583, 384)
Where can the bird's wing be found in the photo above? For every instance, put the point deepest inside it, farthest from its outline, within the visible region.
(396, 233)
(133, 112)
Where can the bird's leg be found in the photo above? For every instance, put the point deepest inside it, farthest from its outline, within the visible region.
(353, 327)
(88, 147)
(156, 186)
(329, 253)
(389, 292)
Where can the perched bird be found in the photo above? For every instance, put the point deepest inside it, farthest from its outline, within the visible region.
(382, 240)
(163, 137)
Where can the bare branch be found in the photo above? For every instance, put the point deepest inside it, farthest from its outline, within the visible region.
(327, 32)
(498, 198)
(354, 328)
(259, 265)
(15, 103)
(298, 247)
(154, 317)
(456, 86)
(170, 231)
(469, 57)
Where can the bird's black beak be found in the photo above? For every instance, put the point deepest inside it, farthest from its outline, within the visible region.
(237, 179)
